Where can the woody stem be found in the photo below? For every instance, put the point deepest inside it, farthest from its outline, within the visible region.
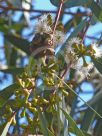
(58, 16)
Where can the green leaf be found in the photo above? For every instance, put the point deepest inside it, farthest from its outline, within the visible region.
(94, 20)
(76, 130)
(10, 102)
(43, 123)
(12, 70)
(13, 57)
(72, 3)
(5, 131)
(18, 42)
(3, 25)
(50, 133)
(98, 128)
(4, 28)
(98, 64)
(6, 93)
(86, 134)
(97, 10)
(3, 20)
(72, 73)
(78, 29)
(96, 98)
(87, 119)
(69, 24)
(17, 26)
(73, 22)
(63, 119)
(101, 3)
(70, 129)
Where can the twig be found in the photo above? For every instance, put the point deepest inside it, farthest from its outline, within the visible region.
(83, 37)
(42, 11)
(58, 16)
(89, 37)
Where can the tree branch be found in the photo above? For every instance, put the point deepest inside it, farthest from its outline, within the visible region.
(43, 11)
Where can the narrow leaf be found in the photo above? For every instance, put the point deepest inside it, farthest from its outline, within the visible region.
(87, 120)
(101, 3)
(43, 123)
(12, 70)
(70, 129)
(5, 131)
(96, 98)
(71, 3)
(78, 29)
(98, 64)
(50, 133)
(63, 105)
(17, 26)
(6, 93)
(97, 10)
(76, 130)
(18, 42)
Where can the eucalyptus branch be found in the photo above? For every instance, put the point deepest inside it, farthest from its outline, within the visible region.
(5, 8)
(88, 36)
(37, 51)
(64, 73)
(58, 16)
(67, 69)
(78, 96)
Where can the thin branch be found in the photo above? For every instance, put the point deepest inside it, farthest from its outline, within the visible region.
(86, 29)
(58, 16)
(88, 36)
(43, 11)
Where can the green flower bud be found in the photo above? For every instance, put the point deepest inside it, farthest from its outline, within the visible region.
(23, 113)
(65, 93)
(23, 126)
(28, 104)
(14, 122)
(32, 109)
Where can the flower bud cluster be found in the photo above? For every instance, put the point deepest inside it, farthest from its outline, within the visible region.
(75, 57)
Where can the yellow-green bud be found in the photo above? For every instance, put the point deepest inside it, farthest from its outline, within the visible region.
(32, 109)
